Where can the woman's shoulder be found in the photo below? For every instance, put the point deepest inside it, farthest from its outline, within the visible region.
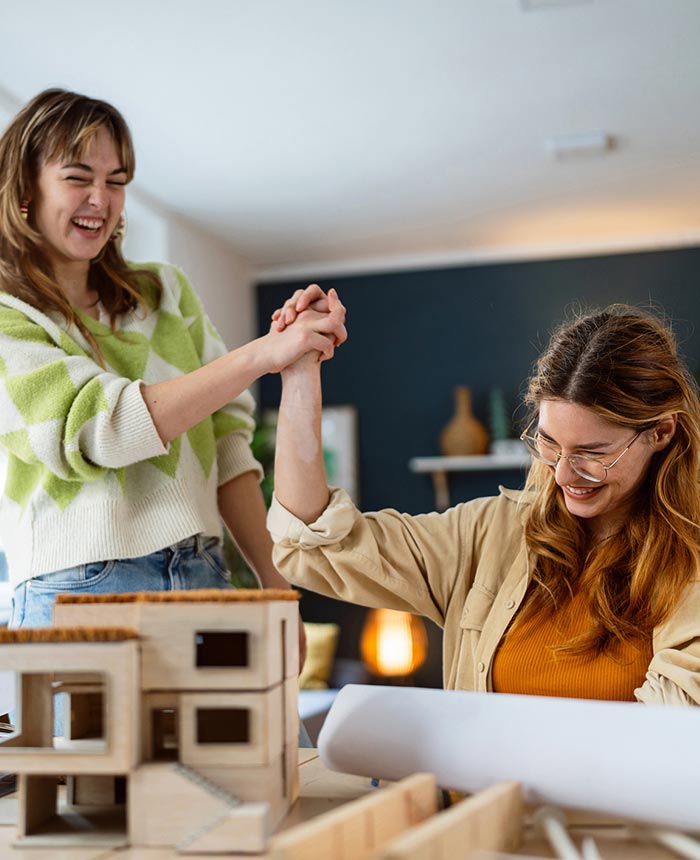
(496, 516)
(165, 271)
(176, 288)
(500, 516)
(519, 496)
(22, 320)
(507, 504)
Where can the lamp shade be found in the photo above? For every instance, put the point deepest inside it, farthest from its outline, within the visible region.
(393, 643)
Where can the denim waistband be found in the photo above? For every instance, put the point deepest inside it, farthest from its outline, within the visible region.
(195, 542)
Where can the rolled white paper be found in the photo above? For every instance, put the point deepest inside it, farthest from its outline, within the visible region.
(636, 761)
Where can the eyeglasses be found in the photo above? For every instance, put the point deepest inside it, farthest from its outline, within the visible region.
(589, 468)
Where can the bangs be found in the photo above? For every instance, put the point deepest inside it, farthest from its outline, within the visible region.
(66, 137)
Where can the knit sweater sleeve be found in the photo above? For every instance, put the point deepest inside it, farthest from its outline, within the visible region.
(59, 409)
(234, 423)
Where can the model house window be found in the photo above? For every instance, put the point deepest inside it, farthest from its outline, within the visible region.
(223, 725)
(86, 715)
(223, 648)
(60, 712)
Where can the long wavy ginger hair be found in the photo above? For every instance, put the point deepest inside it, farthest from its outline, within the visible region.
(623, 364)
(56, 125)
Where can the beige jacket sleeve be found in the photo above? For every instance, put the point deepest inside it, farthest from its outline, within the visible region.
(385, 559)
(674, 672)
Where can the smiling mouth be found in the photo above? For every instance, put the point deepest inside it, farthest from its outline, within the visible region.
(88, 225)
(581, 492)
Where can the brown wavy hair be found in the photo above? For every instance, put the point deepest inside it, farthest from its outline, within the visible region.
(622, 363)
(58, 124)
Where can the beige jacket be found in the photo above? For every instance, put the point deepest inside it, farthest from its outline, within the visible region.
(467, 569)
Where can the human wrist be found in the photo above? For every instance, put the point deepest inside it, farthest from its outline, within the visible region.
(301, 386)
(258, 357)
(304, 371)
(271, 578)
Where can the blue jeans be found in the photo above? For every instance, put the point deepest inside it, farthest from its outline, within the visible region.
(195, 562)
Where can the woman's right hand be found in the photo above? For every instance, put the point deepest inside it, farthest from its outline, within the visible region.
(312, 297)
(313, 332)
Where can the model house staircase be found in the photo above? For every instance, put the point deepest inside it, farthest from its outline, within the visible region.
(199, 779)
(246, 828)
(243, 827)
(192, 812)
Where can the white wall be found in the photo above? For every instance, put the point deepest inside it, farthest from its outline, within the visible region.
(146, 230)
(223, 279)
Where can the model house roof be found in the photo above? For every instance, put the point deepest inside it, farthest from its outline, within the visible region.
(67, 634)
(204, 595)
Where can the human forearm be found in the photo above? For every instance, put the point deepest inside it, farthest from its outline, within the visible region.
(178, 404)
(301, 485)
(242, 509)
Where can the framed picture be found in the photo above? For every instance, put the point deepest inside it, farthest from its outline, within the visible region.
(339, 430)
(340, 454)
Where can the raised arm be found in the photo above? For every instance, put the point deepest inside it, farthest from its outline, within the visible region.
(95, 419)
(301, 485)
(178, 404)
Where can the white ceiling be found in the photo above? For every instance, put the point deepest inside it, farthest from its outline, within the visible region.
(330, 133)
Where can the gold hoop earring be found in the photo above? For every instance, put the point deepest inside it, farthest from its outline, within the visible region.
(24, 210)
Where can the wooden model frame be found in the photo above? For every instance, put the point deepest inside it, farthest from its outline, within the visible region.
(402, 822)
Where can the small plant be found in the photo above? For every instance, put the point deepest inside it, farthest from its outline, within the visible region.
(498, 415)
(263, 448)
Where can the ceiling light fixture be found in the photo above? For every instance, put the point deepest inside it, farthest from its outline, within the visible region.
(535, 5)
(583, 144)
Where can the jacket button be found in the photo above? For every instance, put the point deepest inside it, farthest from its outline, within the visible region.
(481, 667)
(510, 604)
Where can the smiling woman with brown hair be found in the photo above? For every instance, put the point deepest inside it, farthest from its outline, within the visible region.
(124, 419)
(587, 583)
(54, 129)
(626, 533)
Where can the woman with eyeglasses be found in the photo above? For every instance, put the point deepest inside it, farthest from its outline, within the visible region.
(587, 583)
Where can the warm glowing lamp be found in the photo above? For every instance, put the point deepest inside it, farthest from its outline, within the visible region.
(393, 644)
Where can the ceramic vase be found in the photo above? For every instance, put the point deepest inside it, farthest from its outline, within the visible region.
(463, 434)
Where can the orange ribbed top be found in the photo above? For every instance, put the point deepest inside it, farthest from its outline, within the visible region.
(526, 663)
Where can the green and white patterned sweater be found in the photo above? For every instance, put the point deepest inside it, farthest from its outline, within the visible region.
(87, 476)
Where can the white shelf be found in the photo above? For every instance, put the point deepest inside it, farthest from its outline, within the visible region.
(475, 463)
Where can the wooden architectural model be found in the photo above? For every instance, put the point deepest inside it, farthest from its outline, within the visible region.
(179, 732)
(179, 722)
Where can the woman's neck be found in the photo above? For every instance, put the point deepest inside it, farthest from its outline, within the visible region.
(599, 529)
(73, 281)
(594, 542)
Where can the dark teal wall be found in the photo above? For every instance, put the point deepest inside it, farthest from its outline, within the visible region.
(413, 336)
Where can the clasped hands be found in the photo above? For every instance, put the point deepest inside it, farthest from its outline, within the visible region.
(310, 324)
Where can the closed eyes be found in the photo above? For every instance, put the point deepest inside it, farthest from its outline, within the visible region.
(84, 180)
(551, 444)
